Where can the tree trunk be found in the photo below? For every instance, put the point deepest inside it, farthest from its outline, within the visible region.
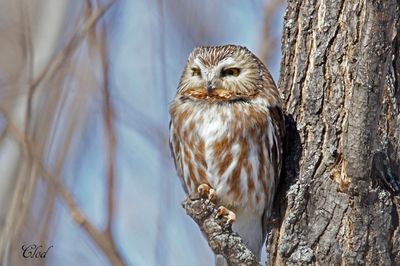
(340, 76)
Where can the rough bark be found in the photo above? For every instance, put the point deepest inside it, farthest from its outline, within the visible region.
(337, 202)
(220, 236)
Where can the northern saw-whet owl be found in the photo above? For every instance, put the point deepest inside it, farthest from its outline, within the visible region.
(226, 134)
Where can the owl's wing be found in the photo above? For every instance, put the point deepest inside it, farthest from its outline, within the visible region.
(175, 148)
(278, 122)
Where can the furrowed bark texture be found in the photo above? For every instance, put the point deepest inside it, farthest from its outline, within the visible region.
(340, 73)
(220, 237)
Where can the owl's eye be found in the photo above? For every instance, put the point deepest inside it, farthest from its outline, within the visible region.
(234, 71)
(196, 72)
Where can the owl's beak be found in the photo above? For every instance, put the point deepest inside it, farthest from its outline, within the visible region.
(210, 86)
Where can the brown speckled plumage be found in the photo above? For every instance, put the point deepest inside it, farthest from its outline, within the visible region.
(227, 131)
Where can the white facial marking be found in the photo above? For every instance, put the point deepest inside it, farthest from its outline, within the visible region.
(228, 62)
(197, 62)
(215, 71)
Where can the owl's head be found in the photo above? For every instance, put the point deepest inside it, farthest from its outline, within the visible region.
(222, 73)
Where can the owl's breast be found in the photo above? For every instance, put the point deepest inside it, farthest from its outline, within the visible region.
(224, 146)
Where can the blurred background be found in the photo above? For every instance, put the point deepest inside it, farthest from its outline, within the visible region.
(85, 168)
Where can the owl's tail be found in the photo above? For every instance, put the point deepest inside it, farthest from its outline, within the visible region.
(220, 261)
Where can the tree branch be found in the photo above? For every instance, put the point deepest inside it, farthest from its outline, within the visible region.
(103, 239)
(220, 236)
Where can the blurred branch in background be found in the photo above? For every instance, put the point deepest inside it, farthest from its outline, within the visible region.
(271, 31)
(41, 136)
(103, 239)
(84, 158)
(108, 118)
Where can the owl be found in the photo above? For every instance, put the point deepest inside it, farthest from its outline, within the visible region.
(226, 134)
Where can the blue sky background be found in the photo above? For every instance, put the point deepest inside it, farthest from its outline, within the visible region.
(149, 42)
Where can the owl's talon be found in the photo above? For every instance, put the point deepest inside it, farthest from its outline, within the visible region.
(224, 212)
(212, 196)
(205, 191)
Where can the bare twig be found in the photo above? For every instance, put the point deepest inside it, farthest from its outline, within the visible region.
(108, 116)
(102, 239)
(99, 40)
(269, 43)
(58, 60)
(220, 237)
(160, 253)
